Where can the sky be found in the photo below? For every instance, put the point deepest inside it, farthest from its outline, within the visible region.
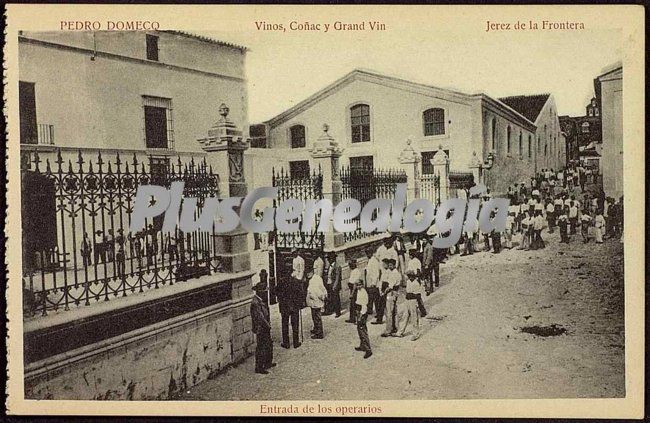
(283, 69)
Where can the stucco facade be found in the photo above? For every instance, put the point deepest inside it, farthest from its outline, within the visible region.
(610, 88)
(95, 96)
(396, 113)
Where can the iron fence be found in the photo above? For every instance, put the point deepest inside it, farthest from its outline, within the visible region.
(75, 216)
(306, 187)
(430, 188)
(365, 184)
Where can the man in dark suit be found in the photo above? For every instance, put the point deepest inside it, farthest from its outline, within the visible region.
(333, 285)
(262, 329)
(290, 299)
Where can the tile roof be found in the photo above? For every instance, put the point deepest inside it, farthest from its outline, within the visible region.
(206, 39)
(527, 105)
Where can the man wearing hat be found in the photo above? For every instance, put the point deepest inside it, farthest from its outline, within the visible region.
(411, 312)
(316, 295)
(291, 296)
(361, 309)
(262, 329)
(392, 281)
(355, 276)
(334, 275)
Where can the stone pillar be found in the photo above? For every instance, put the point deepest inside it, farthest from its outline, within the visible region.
(225, 146)
(325, 155)
(476, 167)
(440, 164)
(410, 160)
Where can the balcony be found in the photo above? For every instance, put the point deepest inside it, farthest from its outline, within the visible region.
(45, 134)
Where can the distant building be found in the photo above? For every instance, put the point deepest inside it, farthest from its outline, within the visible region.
(609, 90)
(550, 142)
(584, 134)
(373, 115)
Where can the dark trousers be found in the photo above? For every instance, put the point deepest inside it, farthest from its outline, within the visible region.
(381, 308)
(362, 330)
(318, 322)
(352, 306)
(373, 299)
(436, 274)
(573, 222)
(263, 351)
(335, 302)
(293, 316)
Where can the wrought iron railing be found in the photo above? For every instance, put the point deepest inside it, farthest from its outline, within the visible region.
(309, 187)
(365, 184)
(430, 187)
(77, 248)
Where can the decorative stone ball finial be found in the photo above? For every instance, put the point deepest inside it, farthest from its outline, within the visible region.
(408, 142)
(224, 110)
(326, 128)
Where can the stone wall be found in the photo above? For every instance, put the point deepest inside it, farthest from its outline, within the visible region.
(154, 362)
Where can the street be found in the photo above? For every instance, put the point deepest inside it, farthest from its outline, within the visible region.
(520, 324)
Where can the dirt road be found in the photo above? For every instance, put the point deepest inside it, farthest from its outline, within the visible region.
(473, 345)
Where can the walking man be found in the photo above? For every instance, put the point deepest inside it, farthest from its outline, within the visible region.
(372, 271)
(355, 275)
(392, 281)
(290, 300)
(362, 327)
(411, 312)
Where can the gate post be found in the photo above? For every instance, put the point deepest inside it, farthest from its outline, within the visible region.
(476, 166)
(325, 155)
(440, 162)
(410, 159)
(225, 146)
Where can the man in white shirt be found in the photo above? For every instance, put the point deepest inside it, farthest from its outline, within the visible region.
(372, 273)
(573, 217)
(414, 263)
(361, 306)
(411, 312)
(355, 276)
(391, 279)
(316, 294)
(538, 225)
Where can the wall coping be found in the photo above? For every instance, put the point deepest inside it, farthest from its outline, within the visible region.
(69, 357)
(84, 312)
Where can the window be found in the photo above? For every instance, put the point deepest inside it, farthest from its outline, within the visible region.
(596, 112)
(152, 47)
(508, 140)
(299, 169)
(521, 145)
(539, 143)
(258, 136)
(585, 127)
(158, 125)
(362, 163)
(494, 133)
(360, 123)
(297, 134)
(27, 113)
(427, 156)
(434, 122)
(530, 146)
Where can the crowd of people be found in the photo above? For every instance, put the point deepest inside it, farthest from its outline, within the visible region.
(389, 290)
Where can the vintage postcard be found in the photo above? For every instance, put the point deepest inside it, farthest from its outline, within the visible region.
(417, 211)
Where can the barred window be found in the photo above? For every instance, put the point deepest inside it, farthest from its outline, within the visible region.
(530, 146)
(508, 140)
(360, 123)
(434, 121)
(297, 133)
(521, 145)
(158, 122)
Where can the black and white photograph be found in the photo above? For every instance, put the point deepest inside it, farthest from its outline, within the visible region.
(331, 106)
